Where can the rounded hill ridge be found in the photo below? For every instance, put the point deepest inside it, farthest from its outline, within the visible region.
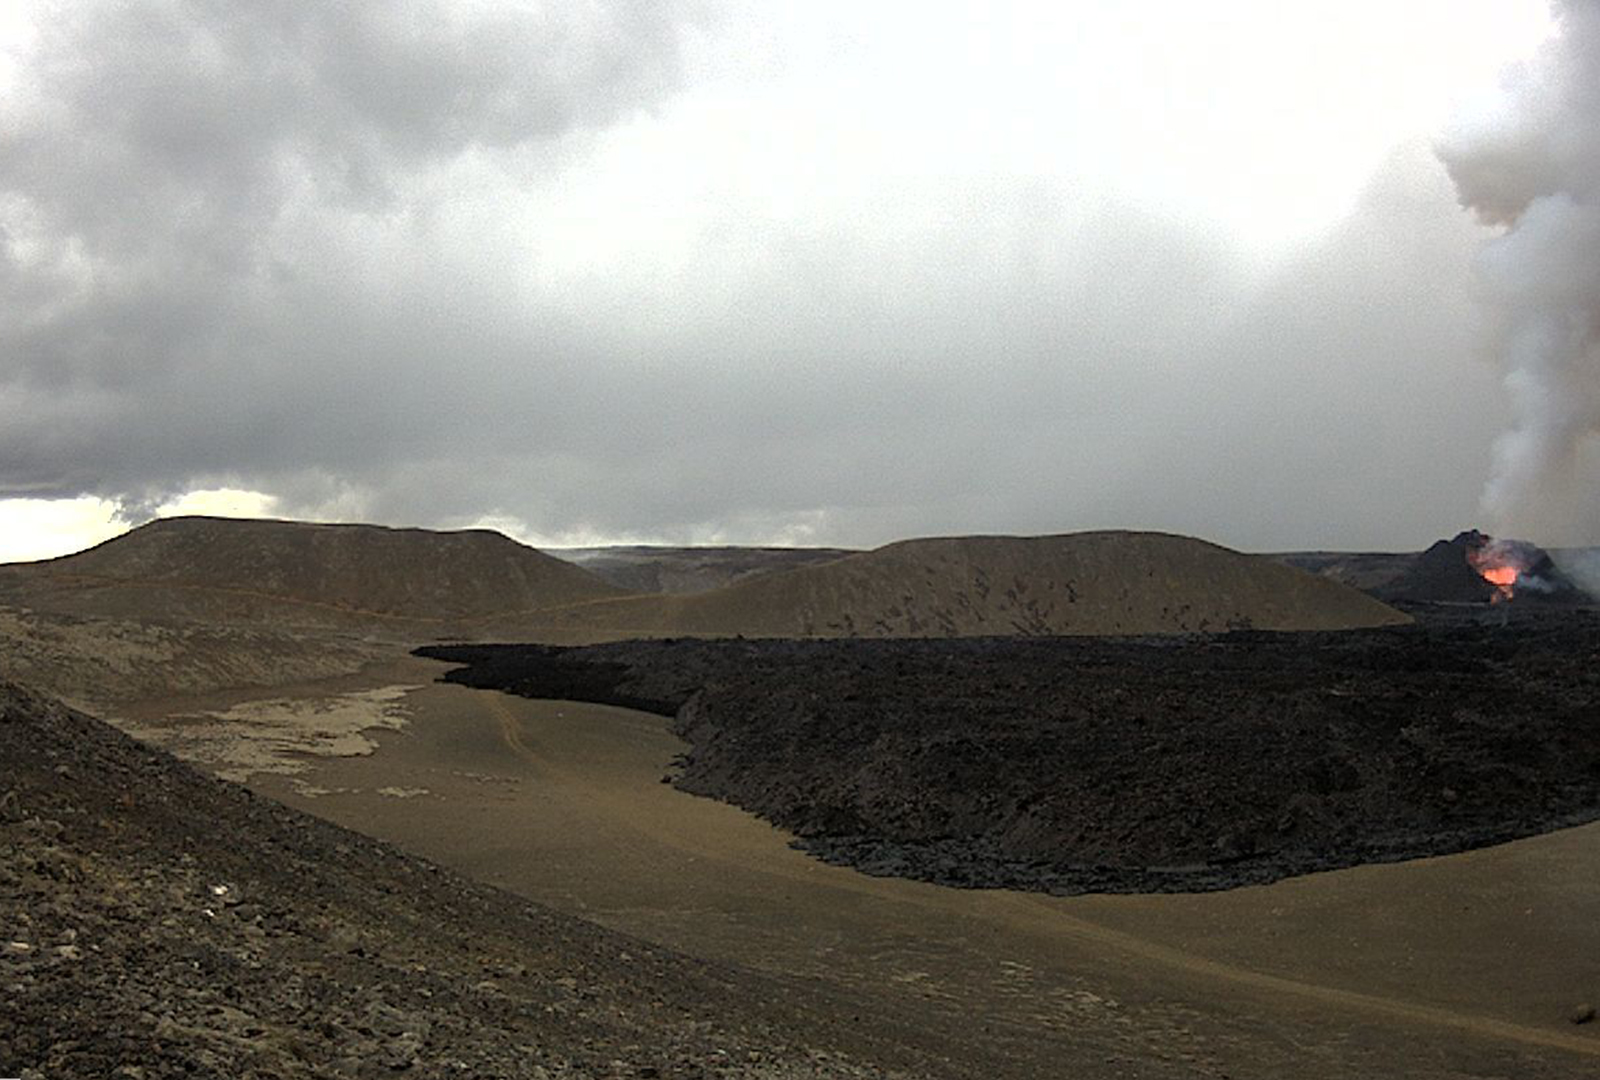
(373, 569)
(1114, 582)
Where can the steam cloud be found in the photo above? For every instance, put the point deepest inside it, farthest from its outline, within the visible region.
(1530, 162)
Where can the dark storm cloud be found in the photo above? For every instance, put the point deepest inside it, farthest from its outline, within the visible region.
(175, 173)
(365, 258)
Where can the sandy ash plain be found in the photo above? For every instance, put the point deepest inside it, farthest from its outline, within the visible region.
(507, 853)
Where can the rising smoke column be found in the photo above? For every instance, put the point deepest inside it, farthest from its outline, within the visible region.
(1529, 162)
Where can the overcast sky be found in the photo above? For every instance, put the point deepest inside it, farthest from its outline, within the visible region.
(686, 271)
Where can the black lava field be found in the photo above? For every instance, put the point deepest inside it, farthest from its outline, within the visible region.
(1118, 764)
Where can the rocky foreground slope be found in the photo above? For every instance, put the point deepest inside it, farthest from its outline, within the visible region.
(155, 922)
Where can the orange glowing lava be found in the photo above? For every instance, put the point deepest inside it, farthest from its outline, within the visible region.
(1502, 577)
(1496, 564)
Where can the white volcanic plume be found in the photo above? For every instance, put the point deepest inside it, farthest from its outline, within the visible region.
(1529, 161)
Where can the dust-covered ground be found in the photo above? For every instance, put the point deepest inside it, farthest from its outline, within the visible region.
(1120, 764)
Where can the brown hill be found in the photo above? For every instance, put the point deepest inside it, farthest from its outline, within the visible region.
(200, 568)
(1082, 583)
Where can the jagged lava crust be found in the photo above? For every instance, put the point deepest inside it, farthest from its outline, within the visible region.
(1119, 764)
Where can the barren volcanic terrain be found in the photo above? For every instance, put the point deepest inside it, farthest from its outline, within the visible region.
(240, 647)
(156, 922)
(1071, 765)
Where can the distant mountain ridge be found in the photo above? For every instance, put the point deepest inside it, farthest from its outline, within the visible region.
(416, 584)
(1080, 583)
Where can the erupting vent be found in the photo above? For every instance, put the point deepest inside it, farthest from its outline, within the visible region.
(1474, 568)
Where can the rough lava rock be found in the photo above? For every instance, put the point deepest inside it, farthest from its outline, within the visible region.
(1120, 764)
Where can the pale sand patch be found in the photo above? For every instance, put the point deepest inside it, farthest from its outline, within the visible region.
(276, 735)
(312, 791)
(402, 792)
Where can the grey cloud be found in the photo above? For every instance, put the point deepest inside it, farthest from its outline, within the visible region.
(169, 168)
(1326, 402)
(226, 108)
(236, 256)
(165, 129)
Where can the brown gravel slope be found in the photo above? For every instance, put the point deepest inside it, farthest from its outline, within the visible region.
(156, 922)
(1081, 583)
